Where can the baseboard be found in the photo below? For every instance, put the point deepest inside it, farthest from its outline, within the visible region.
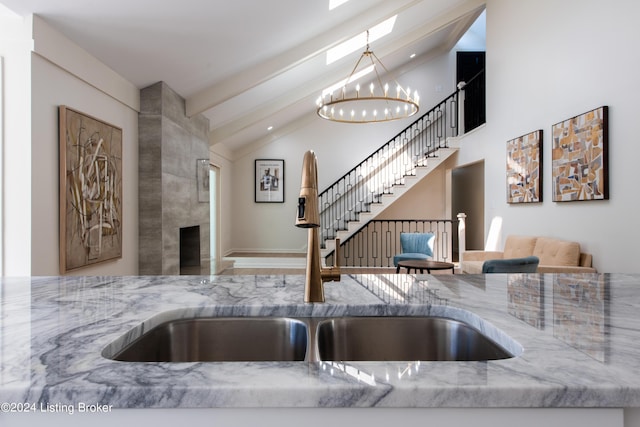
(267, 262)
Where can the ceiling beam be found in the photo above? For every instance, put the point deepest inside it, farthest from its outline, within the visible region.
(252, 77)
(468, 11)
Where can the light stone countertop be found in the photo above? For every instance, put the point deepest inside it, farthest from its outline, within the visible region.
(579, 336)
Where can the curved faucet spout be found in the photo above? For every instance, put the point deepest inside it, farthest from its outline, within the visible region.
(309, 171)
(308, 216)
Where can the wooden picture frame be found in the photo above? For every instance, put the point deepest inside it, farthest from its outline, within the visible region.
(90, 186)
(580, 157)
(269, 181)
(524, 168)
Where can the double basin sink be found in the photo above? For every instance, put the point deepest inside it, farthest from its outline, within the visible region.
(256, 339)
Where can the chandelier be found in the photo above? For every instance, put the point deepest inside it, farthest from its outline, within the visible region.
(376, 103)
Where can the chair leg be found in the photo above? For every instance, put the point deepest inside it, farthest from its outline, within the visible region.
(397, 269)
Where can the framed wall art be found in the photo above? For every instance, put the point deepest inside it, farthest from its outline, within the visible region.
(90, 190)
(202, 179)
(269, 181)
(579, 157)
(524, 168)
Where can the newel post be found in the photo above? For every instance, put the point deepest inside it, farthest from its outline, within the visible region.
(461, 235)
(461, 98)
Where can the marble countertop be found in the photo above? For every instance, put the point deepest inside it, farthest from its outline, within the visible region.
(579, 336)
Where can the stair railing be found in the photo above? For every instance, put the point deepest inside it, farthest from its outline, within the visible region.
(378, 241)
(387, 167)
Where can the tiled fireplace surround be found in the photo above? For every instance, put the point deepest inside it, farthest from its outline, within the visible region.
(169, 145)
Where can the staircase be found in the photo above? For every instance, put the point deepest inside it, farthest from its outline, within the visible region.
(387, 199)
(376, 182)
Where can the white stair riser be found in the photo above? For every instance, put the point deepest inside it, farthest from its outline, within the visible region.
(388, 199)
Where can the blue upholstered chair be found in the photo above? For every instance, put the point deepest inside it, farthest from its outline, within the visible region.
(415, 246)
(511, 265)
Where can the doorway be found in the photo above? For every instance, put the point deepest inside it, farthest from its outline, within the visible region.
(214, 217)
(467, 195)
(470, 69)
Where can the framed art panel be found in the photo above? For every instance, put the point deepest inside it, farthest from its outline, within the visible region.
(269, 181)
(580, 158)
(202, 179)
(524, 168)
(90, 190)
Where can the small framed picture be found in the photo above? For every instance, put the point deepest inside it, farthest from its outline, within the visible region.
(524, 168)
(269, 181)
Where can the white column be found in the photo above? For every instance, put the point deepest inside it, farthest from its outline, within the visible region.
(15, 47)
(461, 98)
(461, 235)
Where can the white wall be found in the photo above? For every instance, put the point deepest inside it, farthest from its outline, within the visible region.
(269, 227)
(51, 86)
(15, 45)
(548, 61)
(427, 199)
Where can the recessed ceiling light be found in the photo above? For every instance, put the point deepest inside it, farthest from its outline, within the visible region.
(270, 128)
(376, 32)
(413, 55)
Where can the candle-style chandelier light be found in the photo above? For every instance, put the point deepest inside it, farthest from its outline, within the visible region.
(350, 103)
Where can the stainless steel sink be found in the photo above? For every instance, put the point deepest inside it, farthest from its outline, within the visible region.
(403, 339)
(255, 339)
(220, 339)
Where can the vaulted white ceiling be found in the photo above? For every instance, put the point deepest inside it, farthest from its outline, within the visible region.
(248, 64)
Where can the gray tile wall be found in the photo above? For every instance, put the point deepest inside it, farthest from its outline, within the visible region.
(170, 144)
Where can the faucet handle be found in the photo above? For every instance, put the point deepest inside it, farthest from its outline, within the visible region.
(301, 203)
(332, 274)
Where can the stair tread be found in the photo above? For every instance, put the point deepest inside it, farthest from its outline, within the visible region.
(385, 199)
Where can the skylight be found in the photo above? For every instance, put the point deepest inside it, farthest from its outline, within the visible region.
(358, 42)
(341, 83)
(335, 3)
